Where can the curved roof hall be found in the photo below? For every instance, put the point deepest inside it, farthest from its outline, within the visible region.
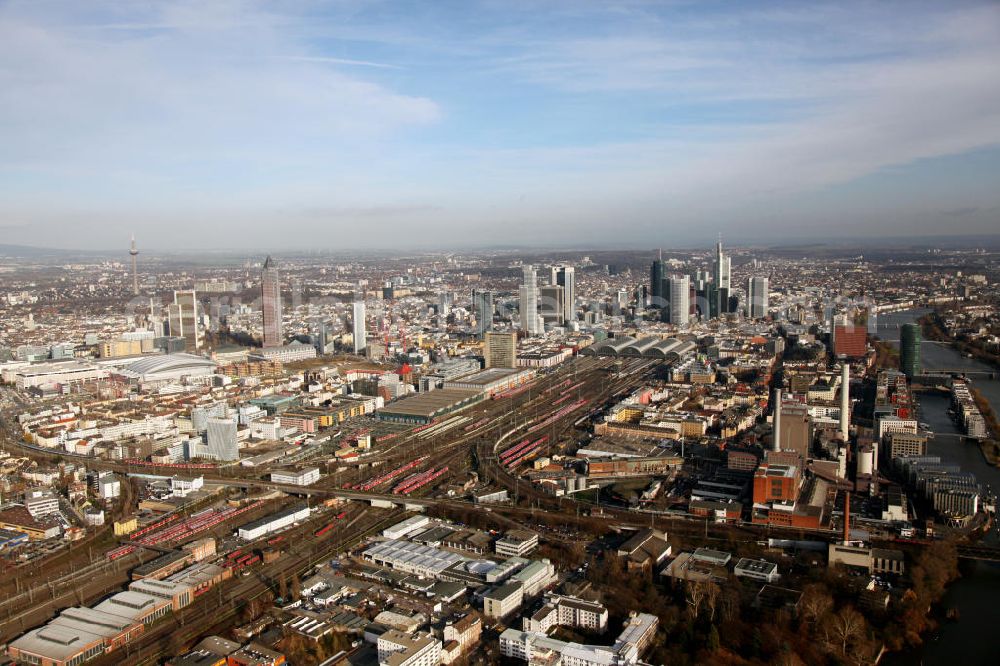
(170, 363)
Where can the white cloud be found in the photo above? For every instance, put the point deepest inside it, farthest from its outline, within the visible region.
(185, 82)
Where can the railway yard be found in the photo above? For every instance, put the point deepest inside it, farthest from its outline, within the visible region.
(482, 446)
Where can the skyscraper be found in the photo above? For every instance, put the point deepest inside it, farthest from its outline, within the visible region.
(360, 332)
(552, 307)
(482, 305)
(680, 299)
(271, 298)
(184, 319)
(566, 278)
(909, 350)
(722, 280)
(531, 323)
(656, 275)
(757, 290)
(319, 341)
(134, 252)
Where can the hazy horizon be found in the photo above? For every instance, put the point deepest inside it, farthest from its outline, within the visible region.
(406, 125)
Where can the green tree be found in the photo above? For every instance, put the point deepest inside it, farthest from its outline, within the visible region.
(713, 639)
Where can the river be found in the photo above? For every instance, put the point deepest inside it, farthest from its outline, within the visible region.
(969, 640)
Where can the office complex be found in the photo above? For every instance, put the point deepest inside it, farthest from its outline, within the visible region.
(183, 318)
(757, 290)
(849, 340)
(482, 305)
(270, 286)
(531, 323)
(680, 299)
(221, 438)
(500, 350)
(909, 349)
(566, 278)
(360, 332)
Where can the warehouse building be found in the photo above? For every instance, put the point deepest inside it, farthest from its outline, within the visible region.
(412, 557)
(492, 380)
(425, 407)
(303, 477)
(276, 521)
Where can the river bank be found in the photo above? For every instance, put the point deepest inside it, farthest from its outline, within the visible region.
(974, 595)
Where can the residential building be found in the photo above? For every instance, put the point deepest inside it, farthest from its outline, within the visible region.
(398, 649)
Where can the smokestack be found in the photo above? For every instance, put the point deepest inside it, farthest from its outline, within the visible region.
(776, 422)
(847, 518)
(845, 398)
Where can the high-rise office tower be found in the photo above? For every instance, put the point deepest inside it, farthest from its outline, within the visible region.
(360, 332)
(909, 350)
(270, 286)
(134, 252)
(566, 278)
(656, 275)
(482, 305)
(320, 339)
(551, 301)
(722, 280)
(184, 319)
(680, 299)
(222, 438)
(757, 290)
(500, 350)
(531, 323)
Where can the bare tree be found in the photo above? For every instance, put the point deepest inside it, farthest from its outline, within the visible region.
(712, 593)
(695, 597)
(816, 603)
(846, 627)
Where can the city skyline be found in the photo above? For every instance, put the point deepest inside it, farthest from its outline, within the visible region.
(618, 124)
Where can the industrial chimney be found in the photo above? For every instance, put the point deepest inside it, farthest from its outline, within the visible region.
(845, 398)
(776, 422)
(847, 518)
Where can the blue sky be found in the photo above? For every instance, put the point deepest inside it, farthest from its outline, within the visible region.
(418, 124)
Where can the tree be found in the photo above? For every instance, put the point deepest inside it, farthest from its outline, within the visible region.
(730, 603)
(712, 592)
(816, 603)
(846, 627)
(695, 596)
(713, 639)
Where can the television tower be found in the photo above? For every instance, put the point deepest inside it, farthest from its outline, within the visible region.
(135, 274)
